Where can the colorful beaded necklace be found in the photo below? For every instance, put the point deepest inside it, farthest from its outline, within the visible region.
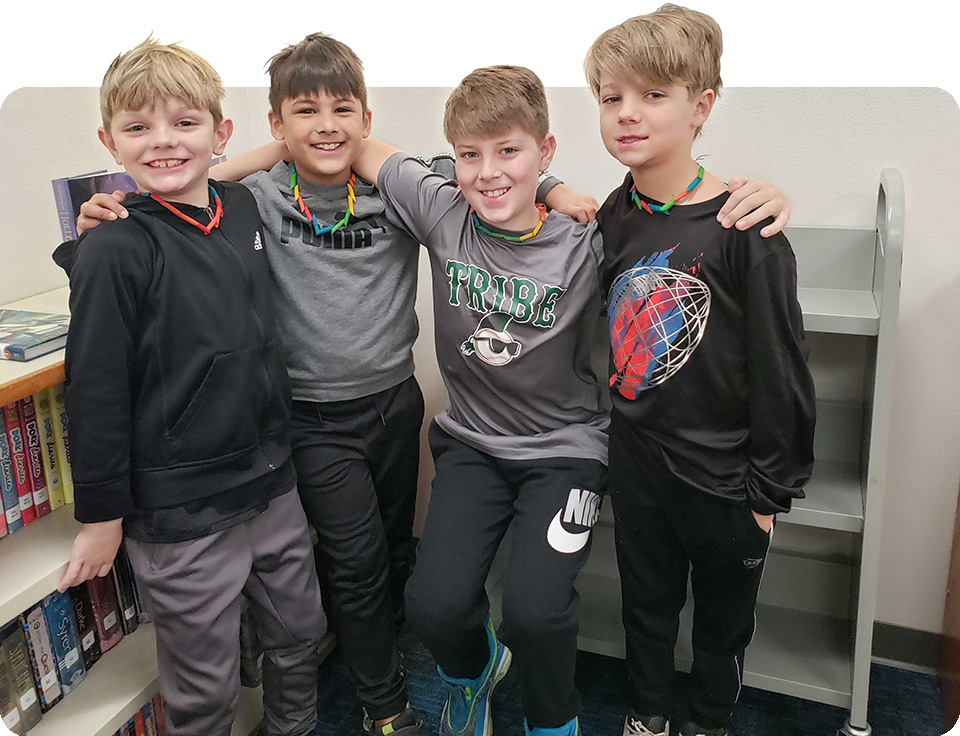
(512, 238)
(666, 206)
(215, 217)
(317, 227)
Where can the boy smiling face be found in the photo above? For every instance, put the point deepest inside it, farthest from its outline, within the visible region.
(498, 176)
(323, 133)
(167, 148)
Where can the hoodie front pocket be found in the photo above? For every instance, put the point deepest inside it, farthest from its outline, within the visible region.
(221, 417)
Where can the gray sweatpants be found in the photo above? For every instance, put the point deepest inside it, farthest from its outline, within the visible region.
(192, 589)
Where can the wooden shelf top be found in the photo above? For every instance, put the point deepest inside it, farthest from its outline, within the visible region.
(18, 379)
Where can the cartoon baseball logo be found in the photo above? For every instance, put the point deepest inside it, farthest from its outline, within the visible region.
(491, 342)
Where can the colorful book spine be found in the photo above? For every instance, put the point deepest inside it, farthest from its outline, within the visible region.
(8, 487)
(9, 710)
(138, 723)
(58, 408)
(42, 659)
(159, 714)
(15, 647)
(61, 195)
(122, 574)
(149, 723)
(105, 613)
(3, 520)
(48, 446)
(65, 640)
(21, 479)
(86, 625)
(33, 454)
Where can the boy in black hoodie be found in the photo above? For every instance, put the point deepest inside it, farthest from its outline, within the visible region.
(179, 406)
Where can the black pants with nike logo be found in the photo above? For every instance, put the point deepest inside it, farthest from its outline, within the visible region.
(667, 531)
(552, 504)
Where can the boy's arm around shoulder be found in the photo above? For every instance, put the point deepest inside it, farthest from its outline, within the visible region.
(414, 196)
(782, 401)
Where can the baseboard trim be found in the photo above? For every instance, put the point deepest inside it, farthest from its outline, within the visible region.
(906, 648)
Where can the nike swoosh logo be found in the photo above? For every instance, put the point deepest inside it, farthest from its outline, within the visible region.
(562, 540)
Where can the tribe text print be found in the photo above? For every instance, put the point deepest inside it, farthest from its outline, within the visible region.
(523, 299)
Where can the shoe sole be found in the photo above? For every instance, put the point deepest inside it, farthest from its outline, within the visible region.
(501, 672)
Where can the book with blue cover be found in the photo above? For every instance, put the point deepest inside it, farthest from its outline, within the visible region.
(65, 639)
(72, 191)
(28, 335)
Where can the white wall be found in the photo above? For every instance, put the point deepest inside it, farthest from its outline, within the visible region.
(824, 147)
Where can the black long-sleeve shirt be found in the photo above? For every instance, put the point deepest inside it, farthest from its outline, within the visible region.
(736, 420)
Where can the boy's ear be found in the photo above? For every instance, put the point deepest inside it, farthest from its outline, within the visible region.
(703, 104)
(367, 123)
(222, 135)
(276, 125)
(547, 150)
(108, 143)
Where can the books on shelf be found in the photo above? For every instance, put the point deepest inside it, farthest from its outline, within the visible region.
(105, 612)
(72, 191)
(123, 583)
(86, 625)
(34, 459)
(14, 432)
(58, 408)
(62, 627)
(42, 659)
(14, 648)
(8, 488)
(28, 335)
(48, 446)
(33, 455)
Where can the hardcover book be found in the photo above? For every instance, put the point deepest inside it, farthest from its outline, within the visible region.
(149, 724)
(159, 714)
(15, 647)
(72, 191)
(58, 408)
(48, 447)
(33, 454)
(122, 575)
(42, 659)
(105, 613)
(28, 335)
(65, 640)
(3, 520)
(21, 480)
(86, 625)
(8, 488)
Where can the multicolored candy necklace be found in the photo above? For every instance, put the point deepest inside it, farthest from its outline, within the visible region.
(512, 238)
(317, 227)
(664, 208)
(215, 217)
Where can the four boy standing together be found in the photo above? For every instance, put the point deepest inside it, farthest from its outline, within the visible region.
(517, 291)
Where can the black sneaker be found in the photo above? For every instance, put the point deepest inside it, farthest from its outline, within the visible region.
(692, 729)
(405, 724)
(646, 726)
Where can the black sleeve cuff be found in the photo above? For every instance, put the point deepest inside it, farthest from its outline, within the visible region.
(103, 501)
(766, 497)
(547, 182)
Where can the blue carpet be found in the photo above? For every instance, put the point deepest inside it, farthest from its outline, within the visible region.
(902, 703)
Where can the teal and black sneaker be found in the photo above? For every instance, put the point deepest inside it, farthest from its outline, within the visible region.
(570, 728)
(467, 710)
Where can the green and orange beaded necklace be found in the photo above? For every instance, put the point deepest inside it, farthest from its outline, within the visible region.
(511, 238)
(664, 209)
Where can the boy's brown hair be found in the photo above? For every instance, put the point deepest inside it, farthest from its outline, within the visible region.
(672, 45)
(318, 62)
(492, 100)
(153, 71)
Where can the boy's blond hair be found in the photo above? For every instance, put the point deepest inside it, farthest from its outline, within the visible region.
(672, 45)
(317, 63)
(491, 101)
(153, 71)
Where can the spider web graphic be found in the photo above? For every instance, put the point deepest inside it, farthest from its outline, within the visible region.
(656, 317)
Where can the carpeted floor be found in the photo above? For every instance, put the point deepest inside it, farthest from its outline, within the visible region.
(901, 703)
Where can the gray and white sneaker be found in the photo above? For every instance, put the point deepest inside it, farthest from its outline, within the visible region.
(636, 725)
